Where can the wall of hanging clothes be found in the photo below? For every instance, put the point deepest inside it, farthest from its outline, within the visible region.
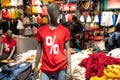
(11, 11)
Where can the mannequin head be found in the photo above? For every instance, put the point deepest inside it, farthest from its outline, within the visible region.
(54, 12)
(9, 35)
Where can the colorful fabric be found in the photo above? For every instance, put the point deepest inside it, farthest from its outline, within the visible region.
(111, 72)
(20, 25)
(96, 62)
(39, 19)
(13, 13)
(8, 45)
(34, 10)
(4, 13)
(47, 0)
(26, 20)
(45, 20)
(53, 45)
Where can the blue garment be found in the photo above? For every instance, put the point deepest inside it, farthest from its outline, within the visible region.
(114, 40)
(114, 19)
(61, 75)
(31, 76)
(10, 73)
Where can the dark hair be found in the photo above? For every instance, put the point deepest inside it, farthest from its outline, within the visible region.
(74, 18)
(117, 28)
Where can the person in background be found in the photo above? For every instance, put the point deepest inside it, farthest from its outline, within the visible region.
(77, 34)
(53, 39)
(8, 45)
(114, 38)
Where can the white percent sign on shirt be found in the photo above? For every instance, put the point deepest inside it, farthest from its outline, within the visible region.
(51, 42)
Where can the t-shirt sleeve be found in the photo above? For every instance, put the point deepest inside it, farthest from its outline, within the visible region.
(3, 39)
(67, 37)
(38, 37)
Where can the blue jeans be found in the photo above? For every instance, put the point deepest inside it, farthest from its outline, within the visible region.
(8, 73)
(61, 75)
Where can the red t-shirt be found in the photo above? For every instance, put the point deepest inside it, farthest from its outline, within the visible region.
(54, 58)
(7, 46)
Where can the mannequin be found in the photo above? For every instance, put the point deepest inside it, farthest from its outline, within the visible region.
(52, 38)
(8, 45)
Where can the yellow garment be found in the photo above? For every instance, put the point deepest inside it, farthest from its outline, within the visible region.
(45, 20)
(17, 13)
(97, 78)
(6, 3)
(110, 72)
(34, 10)
(47, 0)
(13, 13)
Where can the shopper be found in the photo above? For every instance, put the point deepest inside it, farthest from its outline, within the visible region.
(77, 34)
(114, 39)
(52, 38)
(8, 44)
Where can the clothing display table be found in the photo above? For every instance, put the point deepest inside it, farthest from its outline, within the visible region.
(25, 43)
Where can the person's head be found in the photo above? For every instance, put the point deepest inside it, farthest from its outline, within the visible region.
(9, 35)
(74, 18)
(117, 28)
(54, 12)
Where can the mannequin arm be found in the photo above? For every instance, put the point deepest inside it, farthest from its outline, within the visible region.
(1, 50)
(67, 46)
(38, 56)
(11, 54)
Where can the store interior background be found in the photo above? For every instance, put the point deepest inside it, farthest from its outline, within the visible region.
(32, 14)
(87, 11)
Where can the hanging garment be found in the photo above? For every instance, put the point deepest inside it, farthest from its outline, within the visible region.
(21, 13)
(109, 19)
(114, 17)
(28, 10)
(26, 20)
(34, 10)
(28, 31)
(13, 13)
(17, 13)
(96, 19)
(45, 20)
(20, 3)
(33, 20)
(44, 11)
(118, 19)
(33, 2)
(20, 25)
(9, 14)
(73, 7)
(66, 17)
(47, 0)
(39, 9)
(39, 19)
(70, 17)
(13, 3)
(65, 7)
(82, 18)
(6, 3)
(38, 2)
(4, 13)
(103, 19)
(88, 18)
